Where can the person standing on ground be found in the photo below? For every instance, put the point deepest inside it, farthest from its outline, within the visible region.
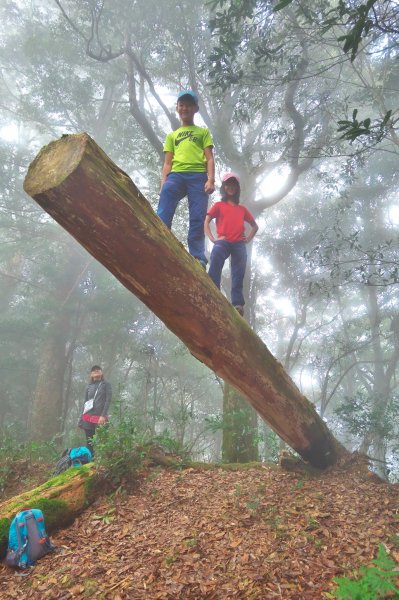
(98, 397)
(188, 170)
(231, 237)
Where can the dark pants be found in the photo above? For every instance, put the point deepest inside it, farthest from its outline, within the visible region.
(220, 252)
(89, 438)
(176, 186)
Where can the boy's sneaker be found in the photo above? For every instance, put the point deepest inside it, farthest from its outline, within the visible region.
(240, 310)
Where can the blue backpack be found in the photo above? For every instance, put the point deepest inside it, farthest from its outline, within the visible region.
(27, 539)
(80, 456)
(73, 457)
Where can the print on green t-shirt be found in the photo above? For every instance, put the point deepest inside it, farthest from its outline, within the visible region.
(187, 145)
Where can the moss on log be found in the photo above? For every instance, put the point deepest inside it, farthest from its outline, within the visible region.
(61, 499)
(74, 181)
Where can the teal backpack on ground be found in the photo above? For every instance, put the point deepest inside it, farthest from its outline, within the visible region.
(73, 457)
(80, 456)
(27, 539)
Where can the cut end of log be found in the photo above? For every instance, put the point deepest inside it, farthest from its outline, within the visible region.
(53, 164)
(320, 454)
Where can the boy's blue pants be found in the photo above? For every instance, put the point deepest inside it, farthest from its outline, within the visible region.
(220, 252)
(176, 186)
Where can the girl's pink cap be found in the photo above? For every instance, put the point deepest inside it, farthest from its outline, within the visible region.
(227, 176)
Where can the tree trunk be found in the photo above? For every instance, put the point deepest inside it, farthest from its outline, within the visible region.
(240, 439)
(10, 280)
(61, 499)
(80, 187)
(240, 423)
(46, 415)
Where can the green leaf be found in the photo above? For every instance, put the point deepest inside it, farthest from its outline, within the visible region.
(386, 118)
(282, 5)
(375, 582)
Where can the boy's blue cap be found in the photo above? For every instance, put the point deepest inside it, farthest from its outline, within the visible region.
(190, 93)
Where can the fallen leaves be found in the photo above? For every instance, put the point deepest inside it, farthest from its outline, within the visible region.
(214, 534)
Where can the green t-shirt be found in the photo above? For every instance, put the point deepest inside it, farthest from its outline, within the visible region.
(187, 145)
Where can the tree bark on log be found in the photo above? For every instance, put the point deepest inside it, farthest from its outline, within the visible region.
(61, 499)
(74, 181)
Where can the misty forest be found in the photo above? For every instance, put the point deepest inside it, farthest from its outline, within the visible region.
(301, 99)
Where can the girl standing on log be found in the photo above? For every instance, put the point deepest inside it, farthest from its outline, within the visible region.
(231, 238)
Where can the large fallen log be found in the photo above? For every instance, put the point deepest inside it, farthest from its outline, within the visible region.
(61, 499)
(80, 187)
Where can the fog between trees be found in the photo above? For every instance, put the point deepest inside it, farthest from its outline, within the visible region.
(322, 290)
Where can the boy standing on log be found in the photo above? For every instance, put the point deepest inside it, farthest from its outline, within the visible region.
(231, 239)
(188, 170)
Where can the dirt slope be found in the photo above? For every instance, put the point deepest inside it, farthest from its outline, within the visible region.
(254, 533)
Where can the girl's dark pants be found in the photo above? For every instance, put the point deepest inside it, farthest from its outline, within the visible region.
(222, 249)
(89, 438)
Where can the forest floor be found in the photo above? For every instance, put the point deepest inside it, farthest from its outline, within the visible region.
(199, 533)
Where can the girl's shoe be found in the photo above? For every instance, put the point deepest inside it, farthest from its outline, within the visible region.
(202, 263)
(240, 310)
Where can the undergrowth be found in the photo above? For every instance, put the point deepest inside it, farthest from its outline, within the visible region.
(374, 582)
(12, 450)
(117, 450)
(121, 448)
